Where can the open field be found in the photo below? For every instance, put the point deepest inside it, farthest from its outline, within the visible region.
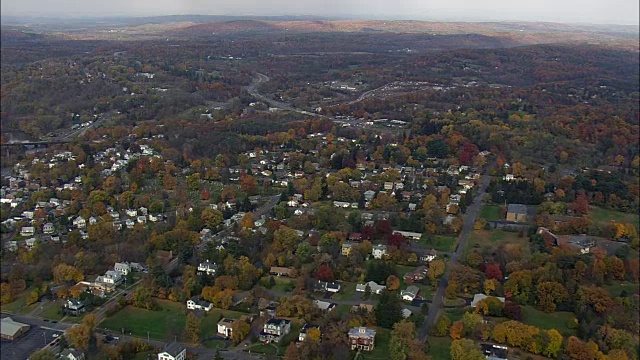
(52, 310)
(439, 242)
(161, 324)
(19, 304)
(492, 239)
(617, 287)
(491, 212)
(557, 320)
(439, 347)
(602, 216)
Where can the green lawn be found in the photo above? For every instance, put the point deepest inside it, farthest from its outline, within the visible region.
(557, 320)
(492, 239)
(458, 302)
(616, 288)
(269, 349)
(491, 212)
(343, 309)
(347, 290)
(52, 310)
(214, 344)
(169, 320)
(602, 216)
(439, 242)
(454, 314)
(381, 349)
(19, 305)
(439, 347)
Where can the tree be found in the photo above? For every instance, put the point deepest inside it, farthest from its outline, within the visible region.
(550, 293)
(402, 336)
(442, 326)
(239, 330)
(490, 305)
(471, 322)
(490, 285)
(554, 343)
(324, 273)
(456, 330)
(576, 349)
(389, 309)
(285, 239)
(192, 328)
(43, 354)
(313, 334)
(292, 352)
(436, 269)
(208, 293)
(465, 349)
(6, 296)
(64, 273)
(393, 283)
(223, 299)
(211, 218)
(581, 204)
(493, 271)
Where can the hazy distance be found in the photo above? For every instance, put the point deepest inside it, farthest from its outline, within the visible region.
(624, 12)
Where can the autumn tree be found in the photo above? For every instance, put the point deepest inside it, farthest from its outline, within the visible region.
(64, 273)
(456, 330)
(465, 349)
(436, 269)
(403, 334)
(239, 330)
(211, 218)
(393, 283)
(192, 328)
(442, 326)
(324, 273)
(549, 294)
(6, 295)
(43, 354)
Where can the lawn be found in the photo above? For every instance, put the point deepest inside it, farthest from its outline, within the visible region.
(347, 291)
(439, 347)
(381, 349)
(616, 288)
(214, 344)
(439, 242)
(269, 349)
(492, 239)
(283, 284)
(602, 216)
(491, 212)
(455, 314)
(19, 305)
(557, 320)
(166, 322)
(52, 311)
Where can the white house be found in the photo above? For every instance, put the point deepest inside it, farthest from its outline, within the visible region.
(375, 288)
(173, 351)
(195, 304)
(72, 354)
(79, 222)
(208, 268)
(379, 251)
(410, 293)
(27, 231)
(324, 305)
(122, 268)
(131, 212)
(429, 256)
(225, 327)
(479, 297)
(30, 243)
(274, 330)
(48, 228)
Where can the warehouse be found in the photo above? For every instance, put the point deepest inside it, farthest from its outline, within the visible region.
(11, 330)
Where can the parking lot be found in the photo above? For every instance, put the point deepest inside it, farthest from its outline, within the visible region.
(21, 348)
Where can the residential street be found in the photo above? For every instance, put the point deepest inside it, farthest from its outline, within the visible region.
(469, 220)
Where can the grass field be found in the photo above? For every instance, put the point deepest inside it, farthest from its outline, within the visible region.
(52, 310)
(283, 284)
(439, 347)
(491, 212)
(492, 239)
(557, 320)
(439, 242)
(602, 216)
(347, 290)
(616, 288)
(381, 349)
(161, 324)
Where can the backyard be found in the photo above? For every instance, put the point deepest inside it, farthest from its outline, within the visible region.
(602, 216)
(162, 324)
(557, 320)
(491, 212)
(492, 239)
(439, 242)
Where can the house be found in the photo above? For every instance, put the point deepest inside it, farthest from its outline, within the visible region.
(80, 222)
(27, 231)
(346, 248)
(479, 297)
(362, 307)
(93, 220)
(142, 219)
(72, 354)
(11, 330)
(30, 243)
(74, 306)
(355, 237)
(362, 338)
(282, 271)
(409, 234)
(369, 195)
(48, 228)
(195, 304)
(494, 352)
(580, 243)
(416, 275)
(373, 286)
(379, 251)
(122, 268)
(410, 293)
(517, 212)
(208, 268)
(429, 255)
(173, 351)
(324, 305)
(274, 330)
(110, 278)
(303, 332)
(225, 327)
(322, 286)
(129, 223)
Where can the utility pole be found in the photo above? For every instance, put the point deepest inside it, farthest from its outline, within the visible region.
(44, 337)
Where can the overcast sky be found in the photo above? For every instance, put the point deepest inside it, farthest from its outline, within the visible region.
(573, 11)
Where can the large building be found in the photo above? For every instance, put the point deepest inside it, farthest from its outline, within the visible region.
(362, 338)
(11, 330)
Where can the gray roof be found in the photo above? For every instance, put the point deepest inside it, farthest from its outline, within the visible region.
(517, 209)
(174, 348)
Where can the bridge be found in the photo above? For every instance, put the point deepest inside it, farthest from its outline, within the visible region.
(36, 143)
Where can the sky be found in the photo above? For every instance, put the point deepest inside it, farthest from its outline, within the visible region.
(624, 12)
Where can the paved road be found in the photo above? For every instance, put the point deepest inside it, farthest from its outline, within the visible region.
(469, 220)
(253, 90)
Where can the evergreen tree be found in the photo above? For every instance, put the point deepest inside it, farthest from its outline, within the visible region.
(389, 309)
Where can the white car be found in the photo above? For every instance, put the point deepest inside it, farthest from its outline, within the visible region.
(55, 335)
